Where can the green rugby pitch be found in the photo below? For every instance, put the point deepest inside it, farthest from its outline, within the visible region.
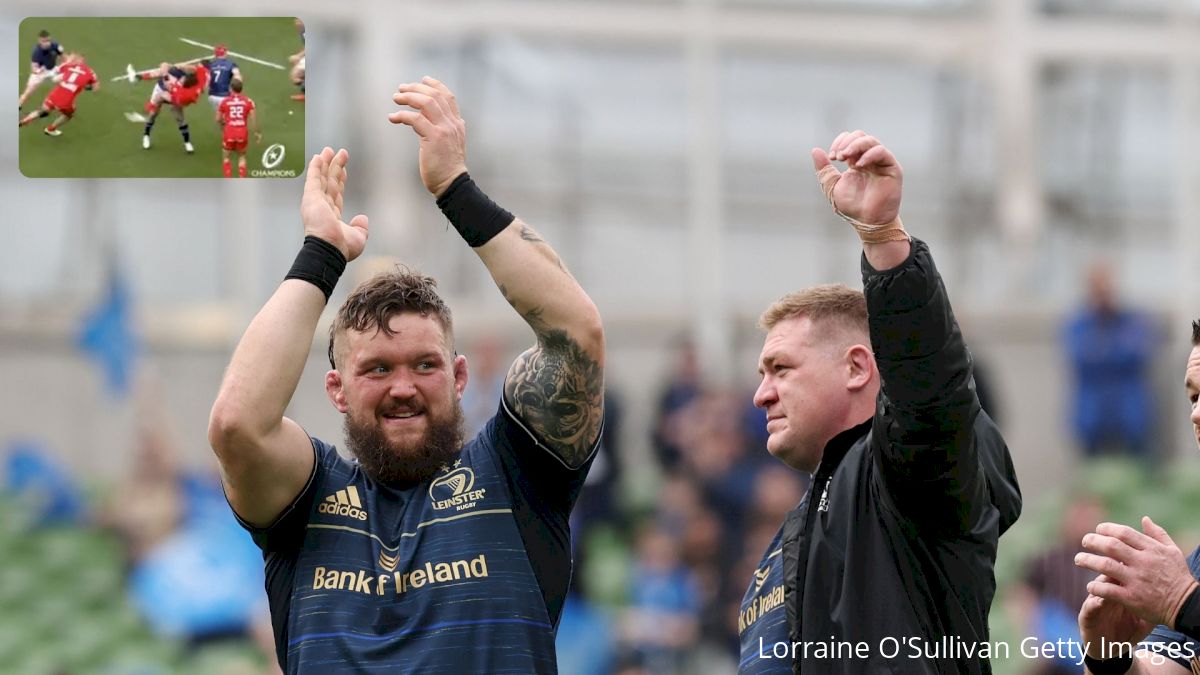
(100, 142)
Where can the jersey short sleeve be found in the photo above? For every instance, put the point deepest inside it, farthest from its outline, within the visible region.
(281, 540)
(1166, 644)
(287, 532)
(544, 490)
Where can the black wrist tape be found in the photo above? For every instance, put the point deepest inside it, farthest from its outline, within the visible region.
(1114, 666)
(476, 217)
(320, 263)
(1188, 619)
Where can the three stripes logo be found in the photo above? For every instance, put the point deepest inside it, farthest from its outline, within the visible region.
(344, 503)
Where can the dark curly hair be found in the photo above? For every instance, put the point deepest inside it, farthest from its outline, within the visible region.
(373, 304)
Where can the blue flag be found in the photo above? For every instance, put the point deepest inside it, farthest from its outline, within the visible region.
(108, 337)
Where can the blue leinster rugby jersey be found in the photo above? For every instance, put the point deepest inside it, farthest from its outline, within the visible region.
(220, 76)
(762, 620)
(465, 573)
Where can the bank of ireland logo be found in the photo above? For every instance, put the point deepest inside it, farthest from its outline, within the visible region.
(455, 489)
(273, 156)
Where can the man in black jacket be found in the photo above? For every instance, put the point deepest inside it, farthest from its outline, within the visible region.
(887, 564)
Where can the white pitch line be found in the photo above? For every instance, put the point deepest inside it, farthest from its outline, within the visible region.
(151, 70)
(240, 56)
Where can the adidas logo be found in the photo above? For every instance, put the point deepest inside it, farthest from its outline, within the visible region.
(343, 503)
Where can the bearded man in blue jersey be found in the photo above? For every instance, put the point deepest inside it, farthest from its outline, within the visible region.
(425, 554)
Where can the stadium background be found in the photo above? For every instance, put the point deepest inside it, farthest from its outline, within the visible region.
(662, 148)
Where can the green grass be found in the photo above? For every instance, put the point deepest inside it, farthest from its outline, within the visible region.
(100, 142)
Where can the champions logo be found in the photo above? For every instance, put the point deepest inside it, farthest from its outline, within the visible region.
(455, 489)
(343, 503)
(273, 155)
(428, 574)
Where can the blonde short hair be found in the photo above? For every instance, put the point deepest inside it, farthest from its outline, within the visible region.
(829, 305)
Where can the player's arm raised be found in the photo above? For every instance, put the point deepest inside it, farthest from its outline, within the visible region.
(931, 458)
(556, 386)
(265, 457)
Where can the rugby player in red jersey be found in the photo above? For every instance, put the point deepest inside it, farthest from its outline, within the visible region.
(76, 76)
(179, 86)
(234, 115)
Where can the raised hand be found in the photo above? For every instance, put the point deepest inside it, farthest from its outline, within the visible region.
(1101, 618)
(321, 205)
(870, 188)
(435, 118)
(1146, 573)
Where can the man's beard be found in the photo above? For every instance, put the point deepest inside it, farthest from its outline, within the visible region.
(404, 465)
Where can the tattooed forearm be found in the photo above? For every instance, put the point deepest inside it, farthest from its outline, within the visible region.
(558, 389)
(532, 315)
(528, 234)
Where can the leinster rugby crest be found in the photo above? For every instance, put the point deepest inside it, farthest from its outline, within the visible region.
(455, 489)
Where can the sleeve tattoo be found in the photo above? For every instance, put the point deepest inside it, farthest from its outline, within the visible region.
(558, 389)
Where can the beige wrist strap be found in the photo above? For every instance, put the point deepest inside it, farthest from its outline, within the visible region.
(870, 234)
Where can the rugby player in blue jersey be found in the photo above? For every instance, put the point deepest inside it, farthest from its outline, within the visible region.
(424, 554)
(43, 64)
(222, 71)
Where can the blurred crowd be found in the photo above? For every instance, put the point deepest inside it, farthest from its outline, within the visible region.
(689, 553)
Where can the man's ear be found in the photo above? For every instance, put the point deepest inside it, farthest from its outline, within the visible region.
(333, 389)
(860, 367)
(460, 375)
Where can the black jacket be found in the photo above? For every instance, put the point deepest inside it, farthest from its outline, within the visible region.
(897, 537)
